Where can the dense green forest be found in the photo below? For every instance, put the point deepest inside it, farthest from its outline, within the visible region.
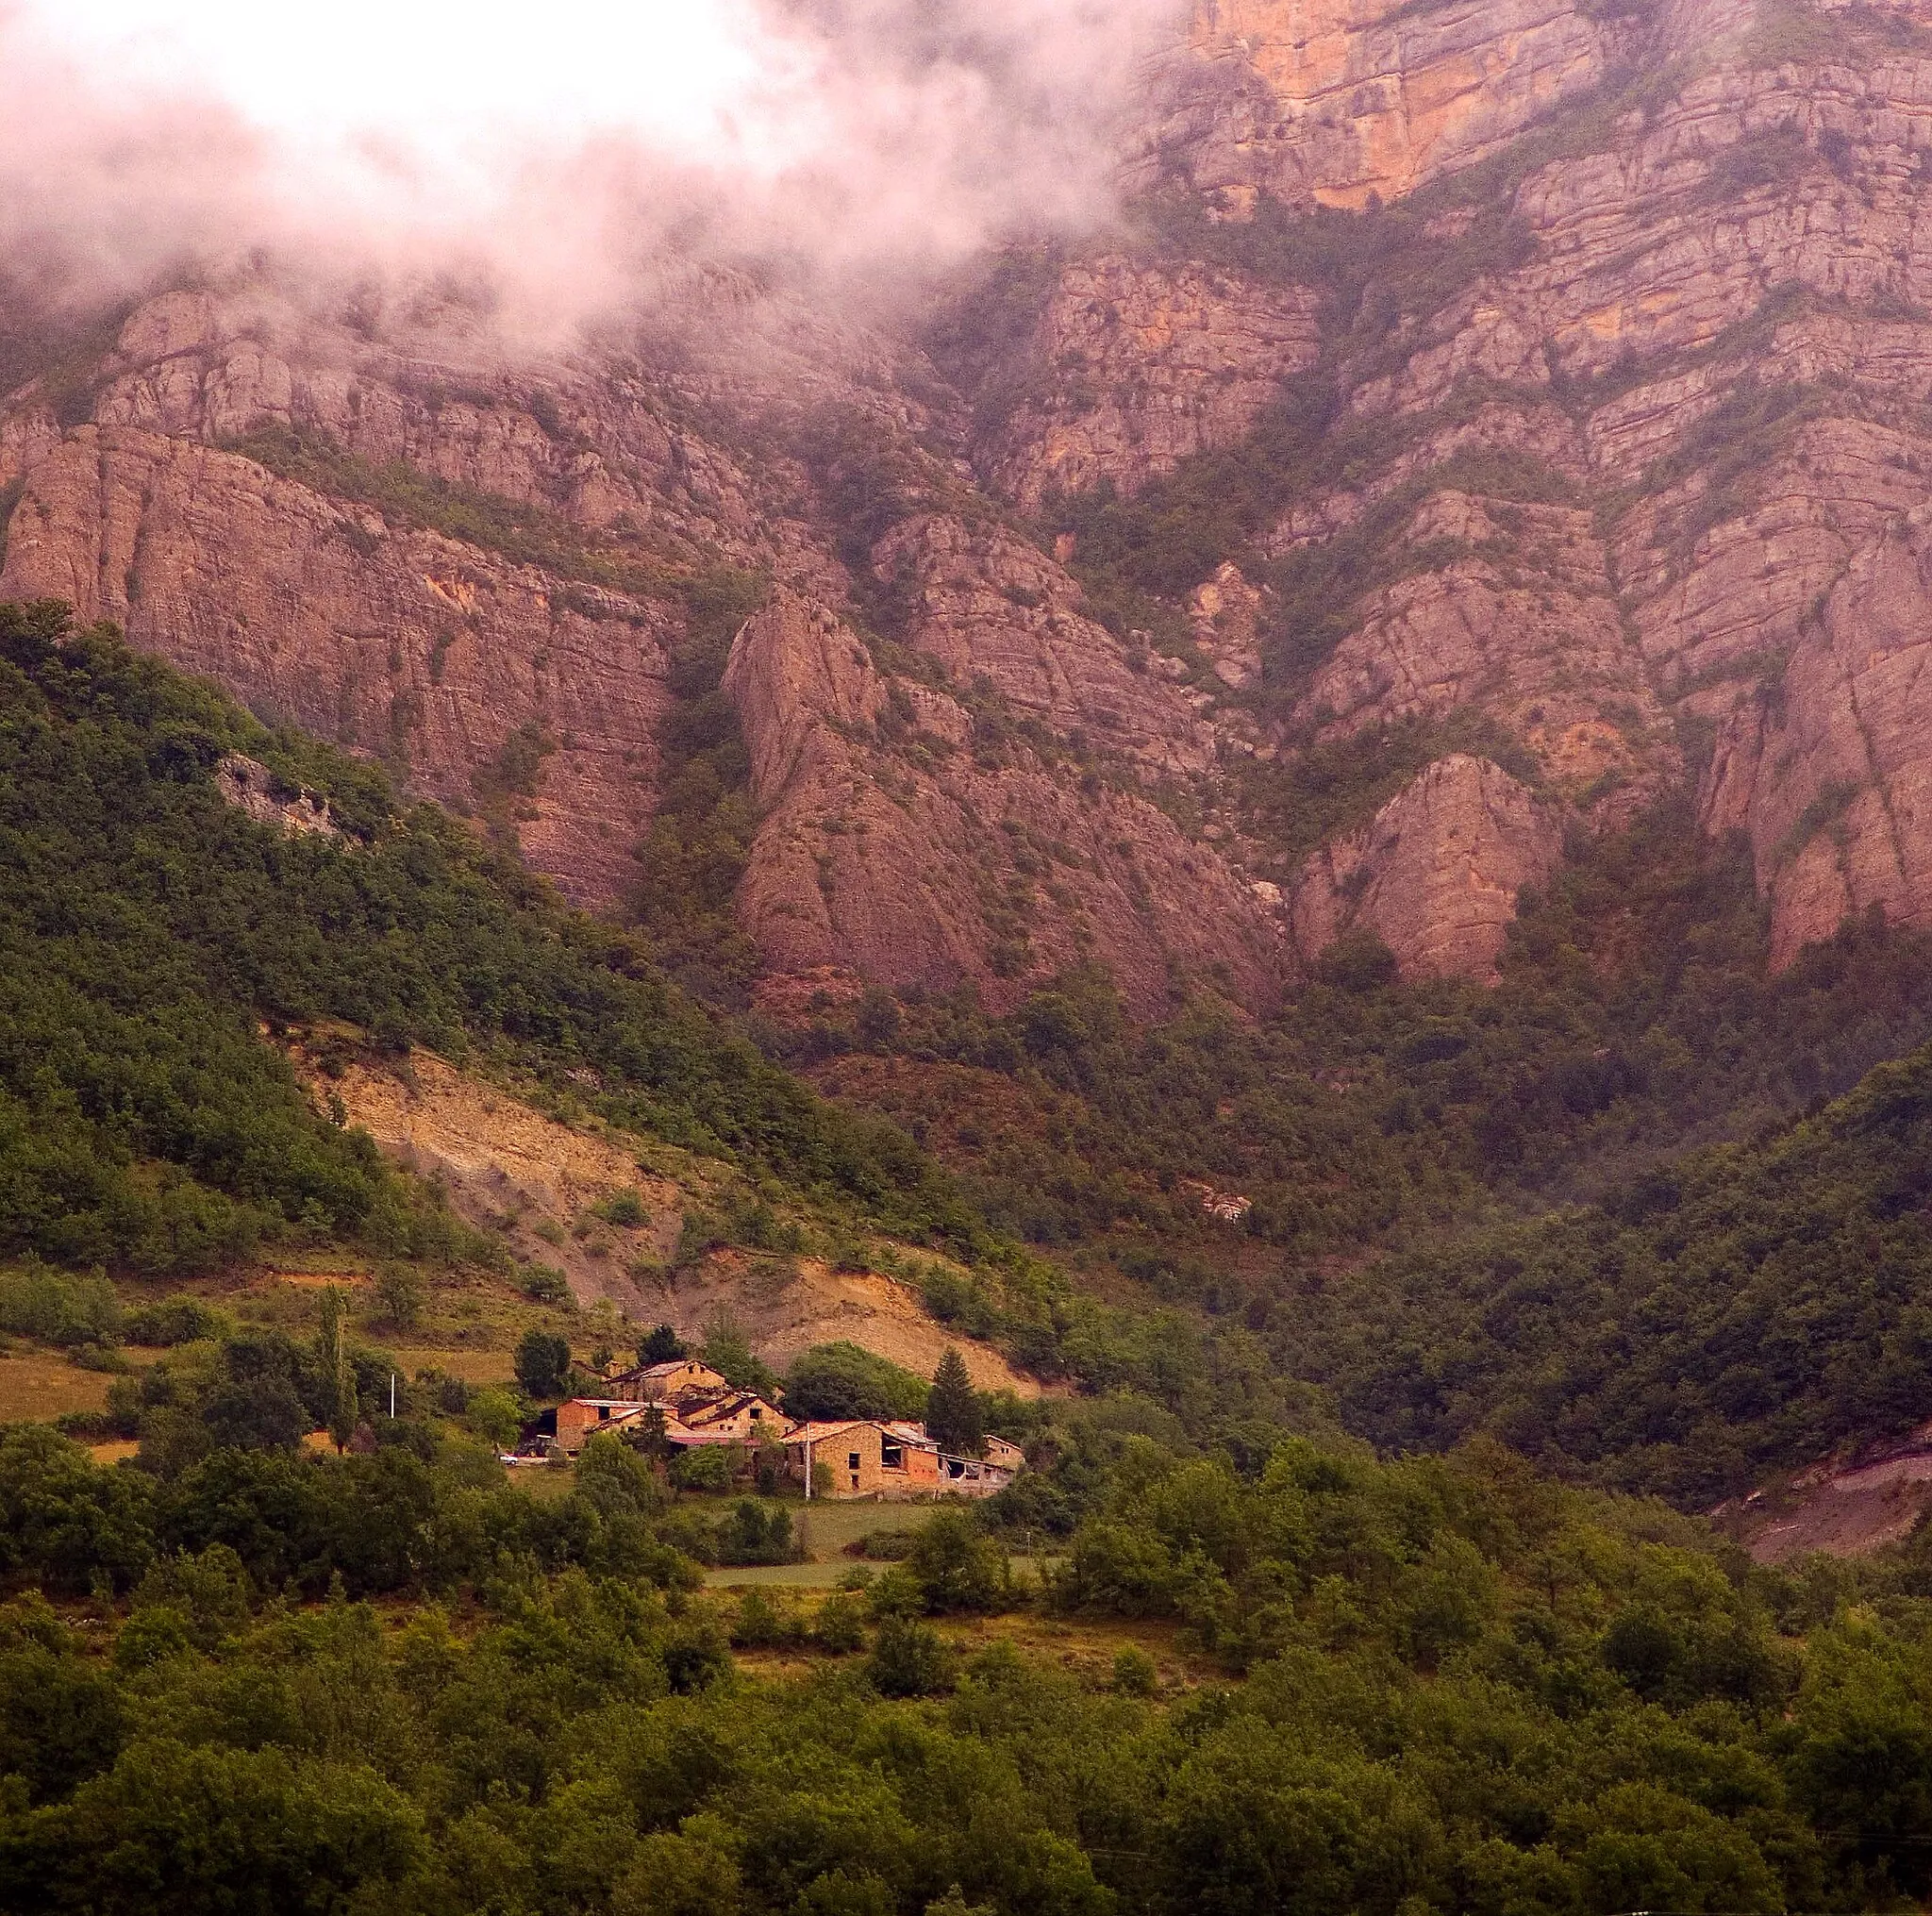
(1744, 1307)
(146, 929)
(238, 1675)
(1439, 1684)
(1637, 1016)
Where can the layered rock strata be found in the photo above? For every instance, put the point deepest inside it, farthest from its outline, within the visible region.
(902, 844)
(1624, 457)
(416, 648)
(1333, 101)
(1436, 874)
(1138, 366)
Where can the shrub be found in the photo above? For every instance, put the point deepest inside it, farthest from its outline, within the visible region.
(624, 1209)
(910, 1659)
(840, 1627)
(752, 1534)
(37, 1302)
(174, 1321)
(957, 1568)
(844, 1381)
(711, 1468)
(545, 1284)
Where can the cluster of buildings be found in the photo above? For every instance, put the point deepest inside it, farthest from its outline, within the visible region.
(698, 1406)
(688, 1406)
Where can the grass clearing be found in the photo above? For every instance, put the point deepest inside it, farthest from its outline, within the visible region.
(474, 1367)
(41, 1385)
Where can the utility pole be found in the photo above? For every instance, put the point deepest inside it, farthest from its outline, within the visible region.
(391, 1393)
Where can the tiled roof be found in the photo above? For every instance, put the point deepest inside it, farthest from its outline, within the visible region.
(898, 1433)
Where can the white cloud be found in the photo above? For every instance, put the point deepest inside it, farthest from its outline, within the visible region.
(555, 144)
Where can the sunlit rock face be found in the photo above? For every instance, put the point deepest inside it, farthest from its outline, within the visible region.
(1331, 101)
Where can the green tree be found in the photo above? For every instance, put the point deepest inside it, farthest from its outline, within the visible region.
(909, 1658)
(728, 1352)
(495, 1416)
(661, 1346)
(957, 1567)
(844, 1380)
(542, 1364)
(953, 1415)
(400, 1291)
(680, 1876)
(337, 1374)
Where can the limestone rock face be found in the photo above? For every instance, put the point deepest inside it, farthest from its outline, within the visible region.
(439, 397)
(1333, 100)
(996, 612)
(1832, 777)
(902, 844)
(410, 646)
(1436, 873)
(1617, 448)
(1224, 615)
(1144, 365)
(250, 787)
(1542, 654)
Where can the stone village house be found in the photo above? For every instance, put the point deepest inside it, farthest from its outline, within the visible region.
(698, 1405)
(870, 1457)
(862, 1457)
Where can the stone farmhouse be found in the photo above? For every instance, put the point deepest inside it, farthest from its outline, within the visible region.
(665, 1383)
(697, 1405)
(860, 1457)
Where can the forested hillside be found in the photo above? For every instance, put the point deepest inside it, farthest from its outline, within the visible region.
(154, 934)
(235, 1674)
(1450, 1685)
(1259, 823)
(1715, 1314)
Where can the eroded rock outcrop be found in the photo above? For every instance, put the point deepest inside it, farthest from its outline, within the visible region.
(1520, 625)
(1829, 770)
(902, 844)
(408, 645)
(250, 787)
(1436, 874)
(1334, 100)
(997, 613)
(1143, 365)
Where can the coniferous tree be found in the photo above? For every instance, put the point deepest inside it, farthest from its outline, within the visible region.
(953, 1414)
(661, 1346)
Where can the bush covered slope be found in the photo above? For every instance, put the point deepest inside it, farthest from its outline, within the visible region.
(1744, 1307)
(146, 929)
(1462, 1688)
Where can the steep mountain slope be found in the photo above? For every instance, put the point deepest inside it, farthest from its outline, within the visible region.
(1615, 441)
(502, 579)
(1520, 407)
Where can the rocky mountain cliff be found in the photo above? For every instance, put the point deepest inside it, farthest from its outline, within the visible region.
(1484, 420)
